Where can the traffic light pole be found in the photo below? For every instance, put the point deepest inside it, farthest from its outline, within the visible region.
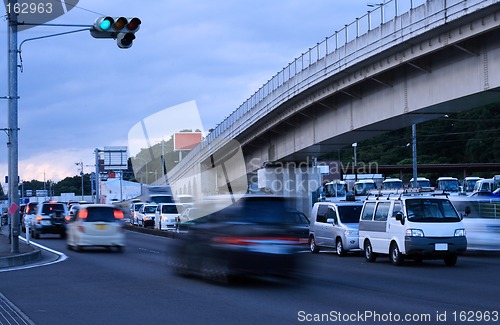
(13, 143)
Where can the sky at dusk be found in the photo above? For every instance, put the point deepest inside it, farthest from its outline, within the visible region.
(78, 93)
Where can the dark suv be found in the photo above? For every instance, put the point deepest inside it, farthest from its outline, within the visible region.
(50, 218)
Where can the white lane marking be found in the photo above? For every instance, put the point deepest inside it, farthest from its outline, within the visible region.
(62, 257)
(149, 250)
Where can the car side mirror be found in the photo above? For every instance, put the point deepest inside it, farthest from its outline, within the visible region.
(330, 220)
(400, 217)
(467, 210)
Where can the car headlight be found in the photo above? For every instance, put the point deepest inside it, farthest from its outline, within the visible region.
(459, 232)
(351, 232)
(415, 233)
(146, 218)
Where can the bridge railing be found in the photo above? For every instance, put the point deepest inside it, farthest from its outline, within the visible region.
(392, 21)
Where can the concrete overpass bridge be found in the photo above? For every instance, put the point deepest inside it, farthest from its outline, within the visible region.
(440, 57)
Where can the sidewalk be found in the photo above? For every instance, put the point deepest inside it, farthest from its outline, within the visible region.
(27, 254)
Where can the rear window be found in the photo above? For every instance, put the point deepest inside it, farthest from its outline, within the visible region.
(258, 210)
(52, 207)
(31, 208)
(349, 214)
(103, 214)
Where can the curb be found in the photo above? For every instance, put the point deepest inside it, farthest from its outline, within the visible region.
(21, 259)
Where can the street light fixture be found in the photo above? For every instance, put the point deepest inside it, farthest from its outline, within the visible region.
(381, 6)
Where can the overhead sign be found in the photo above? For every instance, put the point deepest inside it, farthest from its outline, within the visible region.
(115, 158)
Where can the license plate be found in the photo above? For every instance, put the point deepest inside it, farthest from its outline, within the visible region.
(441, 247)
(100, 227)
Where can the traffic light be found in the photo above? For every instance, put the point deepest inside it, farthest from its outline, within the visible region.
(120, 28)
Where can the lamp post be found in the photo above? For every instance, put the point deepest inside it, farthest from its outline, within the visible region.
(381, 7)
(81, 174)
(355, 146)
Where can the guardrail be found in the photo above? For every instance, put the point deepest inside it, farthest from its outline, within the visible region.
(394, 21)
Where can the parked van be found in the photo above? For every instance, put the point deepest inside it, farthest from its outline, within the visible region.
(448, 184)
(469, 183)
(484, 185)
(364, 186)
(392, 184)
(415, 227)
(335, 225)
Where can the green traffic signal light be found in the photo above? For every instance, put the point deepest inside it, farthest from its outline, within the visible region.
(104, 23)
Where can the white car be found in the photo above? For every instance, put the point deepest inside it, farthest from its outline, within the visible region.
(96, 225)
(168, 215)
(146, 215)
(134, 212)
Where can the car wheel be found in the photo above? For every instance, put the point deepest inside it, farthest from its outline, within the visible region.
(369, 254)
(450, 260)
(395, 255)
(340, 248)
(312, 246)
(215, 269)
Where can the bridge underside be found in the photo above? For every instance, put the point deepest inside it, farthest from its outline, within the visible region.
(447, 73)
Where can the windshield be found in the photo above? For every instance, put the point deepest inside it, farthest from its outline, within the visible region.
(150, 209)
(393, 185)
(431, 210)
(335, 190)
(448, 185)
(350, 214)
(172, 209)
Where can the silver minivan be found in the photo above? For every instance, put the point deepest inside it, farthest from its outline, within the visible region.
(335, 225)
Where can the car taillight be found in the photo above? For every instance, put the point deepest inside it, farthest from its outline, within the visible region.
(38, 219)
(118, 214)
(68, 218)
(255, 240)
(83, 214)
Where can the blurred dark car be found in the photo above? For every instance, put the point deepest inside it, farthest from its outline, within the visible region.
(258, 235)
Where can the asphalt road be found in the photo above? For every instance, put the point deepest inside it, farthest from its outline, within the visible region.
(135, 287)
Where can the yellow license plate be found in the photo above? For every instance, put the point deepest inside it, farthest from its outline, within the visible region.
(100, 227)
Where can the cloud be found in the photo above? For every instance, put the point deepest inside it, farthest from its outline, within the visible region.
(78, 93)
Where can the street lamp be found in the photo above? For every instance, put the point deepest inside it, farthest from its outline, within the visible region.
(381, 6)
(81, 174)
(355, 146)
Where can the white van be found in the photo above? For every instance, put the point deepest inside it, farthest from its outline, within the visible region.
(415, 227)
(335, 225)
(364, 187)
(484, 185)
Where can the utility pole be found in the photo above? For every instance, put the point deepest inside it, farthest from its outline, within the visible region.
(12, 143)
(81, 174)
(414, 154)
